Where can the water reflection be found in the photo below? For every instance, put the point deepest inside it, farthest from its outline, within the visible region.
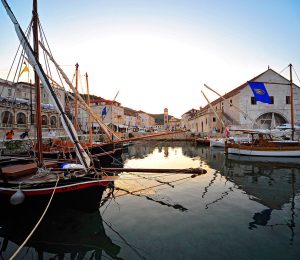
(238, 205)
(65, 233)
(272, 183)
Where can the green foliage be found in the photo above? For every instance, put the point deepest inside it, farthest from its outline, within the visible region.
(159, 118)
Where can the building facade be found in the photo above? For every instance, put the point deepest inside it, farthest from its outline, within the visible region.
(17, 107)
(241, 110)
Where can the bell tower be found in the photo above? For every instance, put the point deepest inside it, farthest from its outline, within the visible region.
(166, 118)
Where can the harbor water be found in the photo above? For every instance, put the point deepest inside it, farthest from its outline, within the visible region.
(240, 209)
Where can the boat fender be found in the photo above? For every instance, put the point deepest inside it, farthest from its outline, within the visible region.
(17, 198)
(72, 166)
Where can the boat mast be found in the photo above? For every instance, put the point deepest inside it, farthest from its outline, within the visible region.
(76, 99)
(215, 112)
(89, 114)
(37, 85)
(292, 103)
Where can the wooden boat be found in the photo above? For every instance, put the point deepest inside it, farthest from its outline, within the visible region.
(38, 178)
(266, 160)
(263, 144)
(102, 154)
(220, 142)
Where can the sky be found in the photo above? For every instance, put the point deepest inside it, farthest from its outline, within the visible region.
(159, 53)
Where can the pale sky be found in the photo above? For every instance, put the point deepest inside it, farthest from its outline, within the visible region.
(159, 53)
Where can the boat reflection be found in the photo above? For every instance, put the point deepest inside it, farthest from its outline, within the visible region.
(64, 233)
(272, 184)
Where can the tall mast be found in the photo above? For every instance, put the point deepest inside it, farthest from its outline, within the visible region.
(215, 112)
(76, 100)
(37, 84)
(292, 102)
(89, 114)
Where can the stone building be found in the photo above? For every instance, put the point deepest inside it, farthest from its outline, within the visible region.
(174, 123)
(17, 107)
(130, 119)
(145, 121)
(110, 112)
(255, 114)
(185, 122)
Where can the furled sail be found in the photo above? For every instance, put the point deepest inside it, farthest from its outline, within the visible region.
(69, 128)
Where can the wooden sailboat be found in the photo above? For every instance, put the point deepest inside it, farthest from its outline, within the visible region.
(102, 153)
(263, 144)
(20, 178)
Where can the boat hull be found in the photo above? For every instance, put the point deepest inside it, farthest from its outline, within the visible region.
(80, 195)
(280, 152)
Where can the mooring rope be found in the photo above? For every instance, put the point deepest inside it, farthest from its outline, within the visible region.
(37, 224)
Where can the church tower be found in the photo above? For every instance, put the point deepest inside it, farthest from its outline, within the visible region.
(166, 118)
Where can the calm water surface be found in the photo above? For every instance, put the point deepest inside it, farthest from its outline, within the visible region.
(238, 210)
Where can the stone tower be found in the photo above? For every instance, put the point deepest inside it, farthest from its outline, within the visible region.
(166, 118)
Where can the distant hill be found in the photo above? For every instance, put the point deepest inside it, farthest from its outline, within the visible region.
(159, 118)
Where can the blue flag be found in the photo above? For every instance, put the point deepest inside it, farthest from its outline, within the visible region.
(104, 111)
(260, 92)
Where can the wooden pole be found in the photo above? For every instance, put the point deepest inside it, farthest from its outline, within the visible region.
(215, 112)
(89, 115)
(241, 111)
(37, 86)
(76, 99)
(147, 136)
(150, 170)
(147, 170)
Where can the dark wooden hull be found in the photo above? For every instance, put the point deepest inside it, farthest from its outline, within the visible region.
(65, 184)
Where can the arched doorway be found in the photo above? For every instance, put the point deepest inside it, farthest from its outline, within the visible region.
(44, 121)
(270, 120)
(6, 119)
(21, 119)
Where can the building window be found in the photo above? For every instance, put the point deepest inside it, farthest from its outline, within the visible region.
(44, 121)
(9, 92)
(231, 102)
(288, 100)
(214, 119)
(271, 100)
(253, 101)
(206, 121)
(53, 121)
